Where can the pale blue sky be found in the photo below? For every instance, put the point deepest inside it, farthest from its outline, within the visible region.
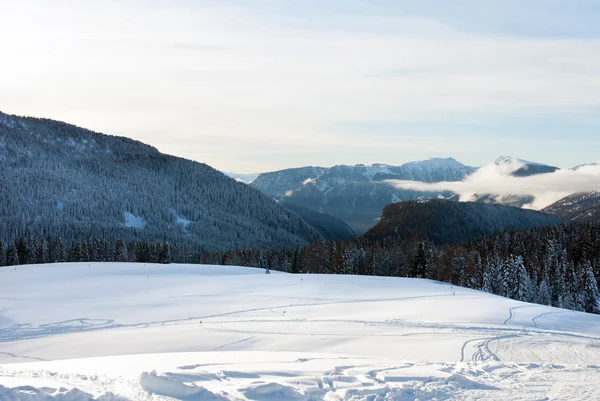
(259, 85)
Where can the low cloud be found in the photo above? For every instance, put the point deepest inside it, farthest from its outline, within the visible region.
(497, 180)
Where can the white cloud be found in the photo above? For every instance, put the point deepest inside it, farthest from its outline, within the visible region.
(497, 180)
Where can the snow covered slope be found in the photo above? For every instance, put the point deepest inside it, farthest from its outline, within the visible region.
(156, 332)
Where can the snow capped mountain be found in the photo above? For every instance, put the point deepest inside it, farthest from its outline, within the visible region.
(502, 160)
(435, 163)
(357, 194)
(522, 168)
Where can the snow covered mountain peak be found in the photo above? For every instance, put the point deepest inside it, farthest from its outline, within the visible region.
(504, 160)
(435, 162)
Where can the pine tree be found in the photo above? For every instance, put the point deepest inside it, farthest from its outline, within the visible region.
(57, 251)
(12, 256)
(420, 263)
(476, 279)
(488, 278)
(262, 262)
(2, 254)
(542, 296)
(589, 290)
(23, 250)
(121, 252)
(572, 298)
(165, 254)
(522, 282)
(42, 254)
(296, 262)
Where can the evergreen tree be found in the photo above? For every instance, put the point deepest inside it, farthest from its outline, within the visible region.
(489, 275)
(165, 254)
(262, 262)
(2, 254)
(572, 298)
(12, 256)
(121, 252)
(542, 296)
(43, 253)
(420, 263)
(57, 251)
(589, 290)
(23, 250)
(296, 262)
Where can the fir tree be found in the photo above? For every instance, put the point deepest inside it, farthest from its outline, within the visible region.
(120, 252)
(542, 296)
(12, 256)
(2, 254)
(165, 254)
(420, 264)
(589, 290)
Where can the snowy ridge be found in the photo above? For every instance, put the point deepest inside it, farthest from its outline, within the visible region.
(156, 332)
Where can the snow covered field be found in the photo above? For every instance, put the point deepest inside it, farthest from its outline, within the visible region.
(151, 332)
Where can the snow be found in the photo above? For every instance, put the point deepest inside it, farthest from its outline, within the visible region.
(133, 221)
(515, 161)
(182, 221)
(121, 331)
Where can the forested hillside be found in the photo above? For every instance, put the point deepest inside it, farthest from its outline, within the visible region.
(330, 227)
(61, 180)
(577, 207)
(444, 221)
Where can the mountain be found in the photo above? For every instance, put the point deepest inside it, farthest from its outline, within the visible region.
(445, 221)
(585, 166)
(56, 178)
(357, 194)
(330, 227)
(524, 168)
(577, 207)
(245, 178)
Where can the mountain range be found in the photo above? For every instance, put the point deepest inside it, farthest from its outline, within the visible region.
(357, 194)
(57, 177)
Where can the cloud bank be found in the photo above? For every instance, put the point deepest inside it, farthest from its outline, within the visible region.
(497, 180)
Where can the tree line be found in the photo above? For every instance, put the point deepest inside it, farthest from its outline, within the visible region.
(555, 265)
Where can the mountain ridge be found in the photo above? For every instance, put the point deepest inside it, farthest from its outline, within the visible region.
(57, 177)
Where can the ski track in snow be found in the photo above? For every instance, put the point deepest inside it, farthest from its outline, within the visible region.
(496, 359)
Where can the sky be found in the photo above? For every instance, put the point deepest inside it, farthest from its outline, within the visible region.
(260, 85)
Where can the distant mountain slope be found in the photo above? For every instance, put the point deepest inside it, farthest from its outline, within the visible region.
(576, 207)
(246, 178)
(357, 194)
(60, 179)
(444, 221)
(524, 168)
(330, 227)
